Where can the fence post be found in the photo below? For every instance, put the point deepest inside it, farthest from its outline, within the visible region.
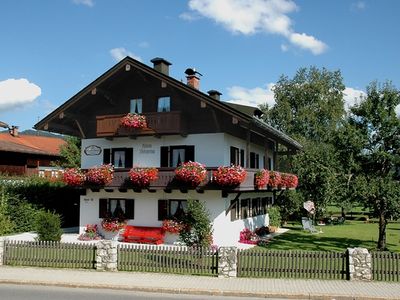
(106, 255)
(2, 247)
(360, 267)
(227, 262)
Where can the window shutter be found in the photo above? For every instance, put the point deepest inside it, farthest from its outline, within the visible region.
(233, 156)
(257, 161)
(252, 160)
(130, 209)
(106, 156)
(242, 158)
(162, 209)
(164, 157)
(128, 157)
(103, 208)
(189, 155)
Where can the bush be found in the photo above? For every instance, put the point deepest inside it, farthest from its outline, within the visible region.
(48, 226)
(274, 216)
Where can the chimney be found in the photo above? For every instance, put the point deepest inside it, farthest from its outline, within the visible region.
(193, 78)
(161, 65)
(214, 94)
(14, 131)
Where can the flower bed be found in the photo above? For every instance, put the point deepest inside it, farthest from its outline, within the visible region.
(192, 173)
(112, 224)
(74, 177)
(261, 179)
(91, 233)
(133, 121)
(142, 177)
(229, 176)
(100, 175)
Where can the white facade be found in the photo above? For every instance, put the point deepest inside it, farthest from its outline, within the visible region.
(226, 232)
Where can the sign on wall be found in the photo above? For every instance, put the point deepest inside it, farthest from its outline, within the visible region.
(92, 150)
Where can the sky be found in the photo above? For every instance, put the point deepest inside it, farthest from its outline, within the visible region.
(51, 49)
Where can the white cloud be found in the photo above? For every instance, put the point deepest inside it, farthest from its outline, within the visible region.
(252, 97)
(359, 5)
(88, 3)
(253, 16)
(352, 96)
(308, 42)
(187, 16)
(120, 53)
(398, 110)
(17, 92)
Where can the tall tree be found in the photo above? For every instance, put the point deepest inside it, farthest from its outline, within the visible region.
(376, 122)
(70, 153)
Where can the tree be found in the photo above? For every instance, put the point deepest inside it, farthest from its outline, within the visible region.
(70, 153)
(375, 121)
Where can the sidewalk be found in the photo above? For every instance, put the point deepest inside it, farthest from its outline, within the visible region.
(200, 285)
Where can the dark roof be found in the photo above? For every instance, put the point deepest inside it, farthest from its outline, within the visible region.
(241, 112)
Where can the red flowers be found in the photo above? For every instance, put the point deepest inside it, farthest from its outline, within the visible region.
(191, 172)
(134, 121)
(112, 224)
(229, 176)
(172, 226)
(74, 177)
(289, 180)
(141, 177)
(261, 179)
(274, 179)
(100, 175)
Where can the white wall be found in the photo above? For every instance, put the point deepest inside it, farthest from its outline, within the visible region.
(230, 140)
(226, 233)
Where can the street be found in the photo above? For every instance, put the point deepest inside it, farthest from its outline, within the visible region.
(24, 292)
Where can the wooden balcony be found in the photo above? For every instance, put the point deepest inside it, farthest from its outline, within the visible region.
(158, 123)
(166, 181)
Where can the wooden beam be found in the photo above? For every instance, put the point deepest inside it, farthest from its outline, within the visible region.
(80, 129)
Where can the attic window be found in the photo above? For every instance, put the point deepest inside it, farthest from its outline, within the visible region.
(164, 104)
(136, 106)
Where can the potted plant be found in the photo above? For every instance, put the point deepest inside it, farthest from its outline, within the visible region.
(172, 226)
(100, 176)
(261, 179)
(191, 173)
(274, 219)
(275, 179)
(74, 177)
(111, 227)
(132, 120)
(229, 176)
(91, 233)
(142, 177)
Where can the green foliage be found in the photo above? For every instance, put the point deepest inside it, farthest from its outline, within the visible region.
(70, 153)
(289, 203)
(6, 224)
(274, 216)
(198, 229)
(48, 226)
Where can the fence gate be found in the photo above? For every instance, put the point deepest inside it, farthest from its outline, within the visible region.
(292, 264)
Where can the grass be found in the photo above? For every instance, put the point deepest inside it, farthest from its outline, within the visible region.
(336, 237)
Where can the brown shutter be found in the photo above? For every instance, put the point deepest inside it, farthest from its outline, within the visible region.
(130, 209)
(242, 158)
(164, 157)
(189, 153)
(103, 208)
(128, 157)
(162, 209)
(106, 156)
(233, 156)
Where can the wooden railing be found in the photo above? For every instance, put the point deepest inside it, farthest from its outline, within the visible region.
(292, 264)
(158, 123)
(385, 266)
(49, 254)
(167, 259)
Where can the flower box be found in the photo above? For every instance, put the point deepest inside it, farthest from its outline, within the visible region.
(191, 173)
(100, 176)
(133, 121)
(112, 224)
(261, 179)
(142, 177)
(74, 177)
(275, 179)
(229, 176)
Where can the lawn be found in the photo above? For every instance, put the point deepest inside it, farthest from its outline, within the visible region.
(336, 237)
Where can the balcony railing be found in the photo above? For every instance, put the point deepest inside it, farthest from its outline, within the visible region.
(167, 182)
(157, 122)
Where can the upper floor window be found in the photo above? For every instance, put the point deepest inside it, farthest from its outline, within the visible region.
(164, 104)
(118, 157)
(136, 106)
(173, 156)
(254, 160)
(237, 156)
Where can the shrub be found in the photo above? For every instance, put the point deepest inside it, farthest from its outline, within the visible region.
(6, 225)
(274, 216)
(91, 233)
(48, 226)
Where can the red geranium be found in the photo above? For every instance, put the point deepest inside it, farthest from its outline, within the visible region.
(229, 176)
(74, 177)
(274, 179)
(100, 175)
(112, 224)
(289, 180)
(134, 121)
(261, 178)
(191, 172)
(141, 177)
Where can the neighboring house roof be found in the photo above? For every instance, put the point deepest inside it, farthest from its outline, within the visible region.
(244, 113)
(40, 145)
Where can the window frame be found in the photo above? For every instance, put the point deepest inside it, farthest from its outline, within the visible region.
(128, 207)
(164, 104)
(138, 105)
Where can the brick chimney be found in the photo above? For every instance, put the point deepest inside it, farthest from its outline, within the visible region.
(193, 78)
(161, 65)
(14, 131)
(214, 94)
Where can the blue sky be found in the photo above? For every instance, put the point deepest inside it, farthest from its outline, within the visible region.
(49, 50)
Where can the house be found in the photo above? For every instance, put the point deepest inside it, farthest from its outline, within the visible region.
(183, 124)
(26, 154)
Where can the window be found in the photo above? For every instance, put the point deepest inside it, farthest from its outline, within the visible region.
(173, 156)
(254, 160)
(234, 208)
(164, 104)
(244, 208)
(270, 166)
(256, 207)
(136, 106)
(118, 157)
(237, 156)
(118, 208)
(173, 208)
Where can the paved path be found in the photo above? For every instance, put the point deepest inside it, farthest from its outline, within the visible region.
(201, 285)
